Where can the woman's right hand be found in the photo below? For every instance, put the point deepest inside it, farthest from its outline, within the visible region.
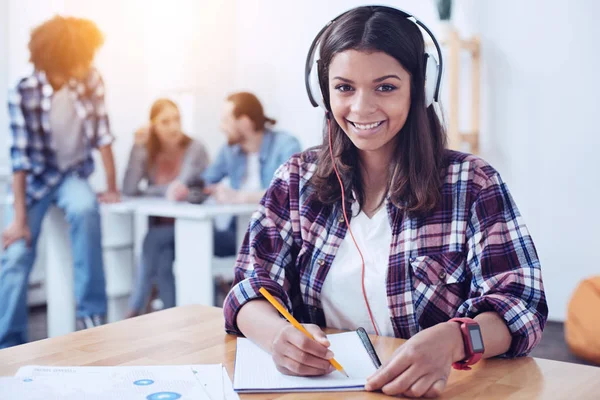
(296, 354)
(142, 134)
(177, 191)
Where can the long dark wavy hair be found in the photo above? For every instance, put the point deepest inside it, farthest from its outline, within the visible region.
(414, 182)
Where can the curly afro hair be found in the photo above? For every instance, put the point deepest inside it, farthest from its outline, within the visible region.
(63, 43)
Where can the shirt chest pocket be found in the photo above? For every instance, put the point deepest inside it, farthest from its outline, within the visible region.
(440, 285)
(439, 269)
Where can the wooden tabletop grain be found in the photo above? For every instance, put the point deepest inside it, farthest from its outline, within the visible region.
(194, 335)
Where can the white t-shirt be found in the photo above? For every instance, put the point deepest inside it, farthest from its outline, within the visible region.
(252, 182)
(342, 296)
(67, 129)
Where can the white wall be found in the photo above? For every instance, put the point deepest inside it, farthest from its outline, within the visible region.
(539, 95)
(3, 83)
(540, 128)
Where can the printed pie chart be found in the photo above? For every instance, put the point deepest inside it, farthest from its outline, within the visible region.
(164, 396)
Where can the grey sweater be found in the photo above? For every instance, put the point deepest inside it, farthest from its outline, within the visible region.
(194, 163)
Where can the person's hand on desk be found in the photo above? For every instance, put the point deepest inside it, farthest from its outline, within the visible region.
(110, 196)
(177, 191)
(223, 194)
(421, 366)
(296, 354)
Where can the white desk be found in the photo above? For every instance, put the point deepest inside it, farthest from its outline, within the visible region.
(193, 265)
(118, 255)
(124, 225)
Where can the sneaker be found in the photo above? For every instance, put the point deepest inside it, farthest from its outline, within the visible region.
(90, 322)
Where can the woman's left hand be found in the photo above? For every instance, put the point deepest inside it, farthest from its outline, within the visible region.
(421, 366)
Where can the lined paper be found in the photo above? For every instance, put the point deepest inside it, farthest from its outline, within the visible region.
(255, 371)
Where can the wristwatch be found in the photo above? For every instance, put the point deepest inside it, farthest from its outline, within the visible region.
(473, 341)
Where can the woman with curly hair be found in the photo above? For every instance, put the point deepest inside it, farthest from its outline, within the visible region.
(57, 117)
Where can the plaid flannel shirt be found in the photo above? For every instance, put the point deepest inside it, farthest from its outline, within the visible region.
(471, 254)
(31, 146)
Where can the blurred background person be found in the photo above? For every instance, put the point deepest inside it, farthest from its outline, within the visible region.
(253, 153)
(57, 117)
(162, 163)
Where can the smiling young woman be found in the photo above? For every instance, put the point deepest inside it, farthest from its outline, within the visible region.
(383, 227)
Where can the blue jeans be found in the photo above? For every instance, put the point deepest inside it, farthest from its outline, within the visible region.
(76, 198)
(225, 242)
(156, 266)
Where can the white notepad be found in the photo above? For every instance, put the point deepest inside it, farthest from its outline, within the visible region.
(255, 371)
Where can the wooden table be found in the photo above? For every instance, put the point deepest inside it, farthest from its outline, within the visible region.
(194, 334)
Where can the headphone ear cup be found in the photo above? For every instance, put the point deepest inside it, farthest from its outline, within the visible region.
(432, 70)
(315, 85)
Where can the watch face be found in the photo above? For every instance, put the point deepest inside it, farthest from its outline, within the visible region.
(476, 339)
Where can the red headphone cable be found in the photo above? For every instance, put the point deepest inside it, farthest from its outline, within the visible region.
(348, 225)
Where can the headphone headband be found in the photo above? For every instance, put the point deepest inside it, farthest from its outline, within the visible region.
(310, 59)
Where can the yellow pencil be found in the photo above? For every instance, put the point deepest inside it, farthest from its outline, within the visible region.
(296, 324)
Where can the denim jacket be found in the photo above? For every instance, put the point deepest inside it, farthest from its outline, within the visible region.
(276, 149)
